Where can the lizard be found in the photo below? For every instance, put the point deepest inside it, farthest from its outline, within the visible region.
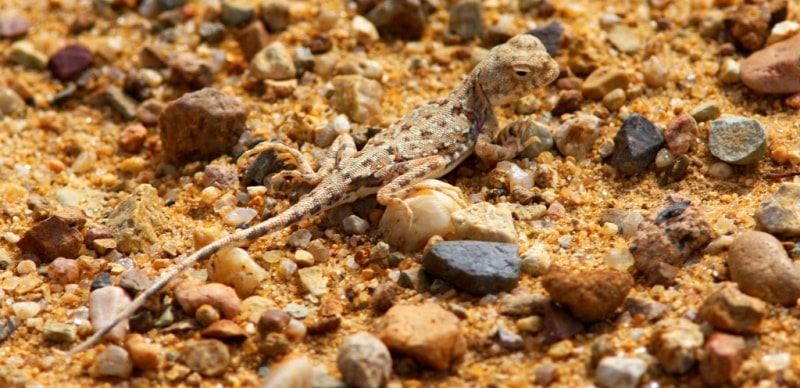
(427, 143)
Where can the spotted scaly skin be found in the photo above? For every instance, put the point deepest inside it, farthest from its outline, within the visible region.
(427, 143)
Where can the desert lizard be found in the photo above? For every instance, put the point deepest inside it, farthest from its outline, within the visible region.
(427, 143)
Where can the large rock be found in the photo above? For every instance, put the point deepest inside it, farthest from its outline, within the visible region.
(774, 69)
(780, 214)
(761, 267)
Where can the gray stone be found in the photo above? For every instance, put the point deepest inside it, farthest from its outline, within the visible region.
(273, 62)
(507, 339)
(737, 140)
(236, 14)
(466, 20)
(364, 361)
(535, 138)
(211, 32)
(354, 224)
(576, 136)
(476, 267)
(133, 281)
(275, 14)
(122, 104)
(137, 220)
(357, 96)
(114, 361)
(59, 332)
(780, 214)
(620, 372)
(636, 145)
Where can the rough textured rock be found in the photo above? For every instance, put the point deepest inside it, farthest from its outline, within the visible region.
(476, 267)
(673, 233)
(466, 20)
(722, 359)
(427, 333)
(190, 71)
(729, 309)
(51, 238)
(635, 145)
(273, 62)
(675, 343)
(364, 361)
(737, 140)
(590, 296)
(576, 136)
(357, 96)
(137, 220)
(484, 222)
(681, 134)
(201, 125)
(603, 80)
(559, 324)
(400, 19)
(749, 24)
(780, 214)
(761, 267)
(191, 294)
(207, 357)
(112, 362)
(773, 69)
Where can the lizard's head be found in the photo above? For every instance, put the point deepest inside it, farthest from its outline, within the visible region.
(514, 69)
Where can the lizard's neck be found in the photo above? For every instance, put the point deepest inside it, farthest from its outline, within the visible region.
(470, 93)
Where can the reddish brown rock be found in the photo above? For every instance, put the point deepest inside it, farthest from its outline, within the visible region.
(145, 355)
(191, 294)
(568, 101)
(64, 271)
(722, 359)
(681, 134)
(132, 138)
(749, 24)
(201, 126)
(225, 330)
(252, 39)
(427, 333)
(13, 26)
(590, 296)
(221, 177)
(774, 69)
(54, 237)
(191, 71)
(69, 62)
(761, 267)
(729, 309)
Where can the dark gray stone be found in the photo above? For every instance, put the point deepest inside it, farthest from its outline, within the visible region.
(466, 20)
(550, 35)
(399, 19)
(475, 266)
(636, 145)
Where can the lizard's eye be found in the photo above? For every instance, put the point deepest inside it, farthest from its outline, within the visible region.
(521, 70)
(522, 73)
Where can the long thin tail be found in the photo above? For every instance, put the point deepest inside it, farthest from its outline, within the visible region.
(305, 207)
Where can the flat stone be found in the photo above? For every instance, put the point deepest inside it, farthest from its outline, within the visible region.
(484, 222)
(364, 361)
(620, 372)
(121, 103)
(758, 263)
(24, 53)
(13, 26)
(648, 309)
(415, 279)
(59, 332)
(399, 19)
(114, 361)
(357, 96)
(226, 330)
(603, 80)
(624, 39)
(550, 35)
(137, 220)
(428, 333)
(675, 343)
(590, 296)
(576, 136)
(737, 140)
(476, 267)
(191, 294)
(524, 304)
(273, 62)
(104, 305)
(207, 357)
(70, 61)
(201, 125)
(635, 145)
(730, 310)
(723, 357)
(51, 238)
(779, 215)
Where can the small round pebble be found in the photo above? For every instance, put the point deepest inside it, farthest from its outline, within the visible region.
(364, 361)
(536, 260)
(273, 321)
(354, 224)
(206, 315)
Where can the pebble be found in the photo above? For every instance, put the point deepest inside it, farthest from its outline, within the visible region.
(357, 96)
(568, 101)
(132, 137)
(550, 35)
(201, 125)
(779, 215)
(635, 145)
(629, 222)
(782, 31)
(681, 134)
(104, 305)
(759, 264)
(234, 267)
(7, 327)
(52, 238)
(300, 239)
(226, 330)
(737, 140)
(70, 61)
(125, 106)
(476, 267)
(590, 296)
(614, 100)
(273, 321)
(466, 20)
(191, 294)
(400, 19)
(619, 259)
(219, 176)
(730, 310)
(144, 354)
(364, 31)
(252, 39)
(114, 361)
(749, 24)
(63, 333)
(536, 260)
(364, 361)
(276, 15)
(729, 71)
(13, 26)
(295, 373)
(523, 304)
(603, 80)
(304, 258)
(25, 310)
(428, 333)
(273, 62)
(530, 325)
(415, 279)
(208, 357)
(362, 66)
(656, 74)
(484, 222)
(189, 70)
(211, 32)
(774, 69)
(624, 39)
(313, 280)
(148, 111)
(507, 339)
(560, 324)
(206, 315)
(675, 343)
(648, 309)
(236, 14)
(354, 224)
(620, 372)
(670, 235)
(137, 220)
(724, 356)
(23, 52)
(535, 138)
(576, 136)
(63, 270)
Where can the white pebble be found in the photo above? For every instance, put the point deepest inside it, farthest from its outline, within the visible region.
(234, 267)
(664, 158)
(287, 268)
(25, 310)
(619, 258)
(84, 162)
(104, 305)
(239, 215)
(296, 330)
(517, 177)
(341, 124)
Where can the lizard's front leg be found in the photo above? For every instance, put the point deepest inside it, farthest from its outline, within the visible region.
(490, 152)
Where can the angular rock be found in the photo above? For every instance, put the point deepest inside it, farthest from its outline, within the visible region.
(273, 62)
(364, 361)
(276, 15)
(590, 296)
(722, 359)
(137, 220)
(636, 145)
(24, 53)
(576, 136)
(620, 372)
(737, 140)
(54, 237)
(221, 177)
(104, 305)
(749, 24)
(236, 14)
(70, 61)
(730, 310)
(191, 71)
(399, 19)
(134, 281)
(484, 222)
(211, 32)
(59, 332)
(427, 333)
(191, 294)
(476, 267)
(201, 125)
(706, 111)
(535, 138)
(550, 35)
(761, 267)
(234, 267)
(559, 324)
(121, 103)
(603, 80)
(357, 96)
(466, 20)
(780, 214)
(252, 39)
(207, 357)
(132, 138)
(674, 232)
(681, 134)
(675, 343)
